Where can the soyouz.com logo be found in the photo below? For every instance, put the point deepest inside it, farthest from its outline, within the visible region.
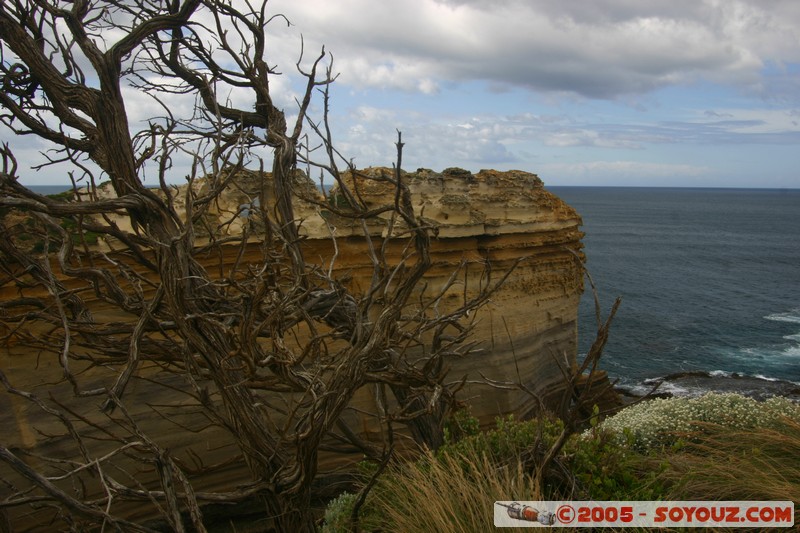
(644, 514)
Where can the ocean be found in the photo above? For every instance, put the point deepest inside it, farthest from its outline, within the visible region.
(709, 281)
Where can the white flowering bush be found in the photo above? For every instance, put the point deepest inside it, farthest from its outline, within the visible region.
(663, 421)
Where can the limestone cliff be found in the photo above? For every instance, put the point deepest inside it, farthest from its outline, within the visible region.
(497, 218)
(530, 326)
(504, 220)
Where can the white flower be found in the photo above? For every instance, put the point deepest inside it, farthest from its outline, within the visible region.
(661, 421)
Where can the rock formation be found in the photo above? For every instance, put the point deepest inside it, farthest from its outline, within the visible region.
(530, 327)
(505, 221)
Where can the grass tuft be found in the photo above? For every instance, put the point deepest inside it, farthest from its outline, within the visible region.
(724, 464)
(720, 447)
(452, 493)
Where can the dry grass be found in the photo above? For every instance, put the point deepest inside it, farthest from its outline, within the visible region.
(452, 494)
(725, 464)
(456, 491)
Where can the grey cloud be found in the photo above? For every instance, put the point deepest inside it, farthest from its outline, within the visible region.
(599, 49)
(715, 114)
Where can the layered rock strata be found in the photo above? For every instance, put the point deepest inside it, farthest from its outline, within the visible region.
(505, 220)
(527, 333)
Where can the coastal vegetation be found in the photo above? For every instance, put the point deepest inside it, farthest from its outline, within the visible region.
(715, 447)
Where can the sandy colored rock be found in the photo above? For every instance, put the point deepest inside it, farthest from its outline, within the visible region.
(527, 333)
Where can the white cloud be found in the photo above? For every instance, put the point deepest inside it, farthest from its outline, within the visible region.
(584, 137)
(430, 142)
(626, 172)
(623, 170)
(534, 83)
(373, 114)
(597, 49)
(755, 120)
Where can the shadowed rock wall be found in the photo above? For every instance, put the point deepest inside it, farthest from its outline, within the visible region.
(502, 219)
(497, 218)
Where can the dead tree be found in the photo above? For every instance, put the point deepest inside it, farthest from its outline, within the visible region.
(141, 289)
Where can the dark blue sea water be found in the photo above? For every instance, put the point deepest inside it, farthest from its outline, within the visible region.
(709, 280)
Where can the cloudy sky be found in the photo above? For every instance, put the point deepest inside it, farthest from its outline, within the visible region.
(581, 92)
(600, 92)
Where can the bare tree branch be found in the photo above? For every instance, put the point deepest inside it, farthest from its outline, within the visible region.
(212, 312)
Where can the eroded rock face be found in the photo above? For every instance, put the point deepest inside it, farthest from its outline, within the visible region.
(529, 328)
(507, 220)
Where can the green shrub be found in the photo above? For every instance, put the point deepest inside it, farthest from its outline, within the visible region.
(461, 425)
(64, 196)
(606, 466)
(507, 441)
(339, 512)
(680, 448)
(339, 201)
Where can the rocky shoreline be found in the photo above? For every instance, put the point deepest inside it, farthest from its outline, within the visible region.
(698, 382)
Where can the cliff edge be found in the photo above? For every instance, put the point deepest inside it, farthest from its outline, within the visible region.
(506, 221)
(484, 226)
(495, 222)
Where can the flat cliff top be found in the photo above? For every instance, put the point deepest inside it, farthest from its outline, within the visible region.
(459, 203)
(455, 201)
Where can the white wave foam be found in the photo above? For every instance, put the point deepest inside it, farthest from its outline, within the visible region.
(769, 354)
(721, 382)
(790, 316)
(677, 390)
(720, 374)
(765, 378)
(665, 387)
(792, 351)
(776, 380)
